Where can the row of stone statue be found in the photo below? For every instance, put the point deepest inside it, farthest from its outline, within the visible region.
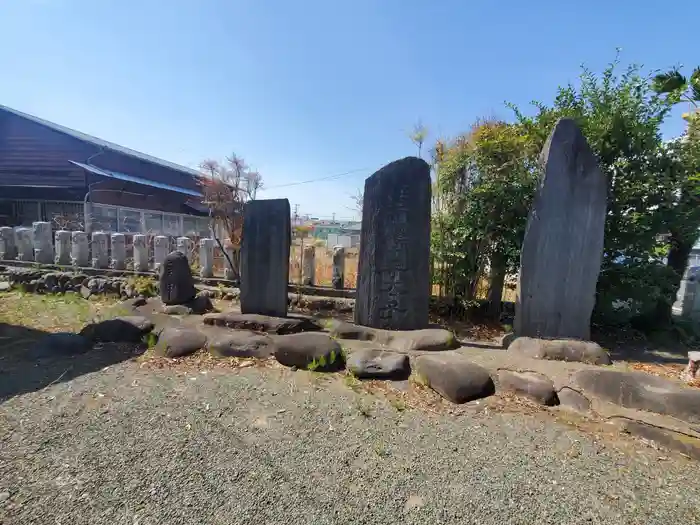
(560, 259)
(99, 250)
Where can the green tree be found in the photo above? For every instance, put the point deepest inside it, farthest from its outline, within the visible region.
(486, 180)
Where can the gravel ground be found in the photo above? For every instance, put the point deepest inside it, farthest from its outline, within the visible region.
(130, 445)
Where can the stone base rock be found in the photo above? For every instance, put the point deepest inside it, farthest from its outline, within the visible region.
(428, 339)
(125, 329)
(573, 400)
(378, 364)
(179, 341)
(683, 443)
(314, 351)
(60, 344)
(561, 350)
(454, 377)
(240, 343)
(532, 385)
(176, 309)
(261, 323)
(641, 391)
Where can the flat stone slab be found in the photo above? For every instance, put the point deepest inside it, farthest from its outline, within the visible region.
(640, 391)
(261, 323)
(378, 364)
(454, 377)
(312, 351)
(240, 343)
(532, 385)
(60, 344)
(179, 341)
(561, 350)
(573, 400)
(427, 340)
(123, 329)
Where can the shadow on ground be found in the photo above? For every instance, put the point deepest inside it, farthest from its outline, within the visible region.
(21, 374)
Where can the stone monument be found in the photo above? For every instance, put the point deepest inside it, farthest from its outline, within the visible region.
(266, 241)
(338, 277)
(63, 247)
(80, 249)
(8, 248)
(393, 285)
(176, 282)
(563, 245)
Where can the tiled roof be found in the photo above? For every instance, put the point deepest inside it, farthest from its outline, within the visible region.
(102, 143)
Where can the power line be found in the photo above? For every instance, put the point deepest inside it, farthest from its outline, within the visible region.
(329, 177)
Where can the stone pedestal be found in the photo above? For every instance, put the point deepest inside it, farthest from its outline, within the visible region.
(206, 257)
(563, 244)
(267, 237)
(100, 250)
(691, 371)
(140, 253)
(43, 245)
(184, 245)
(118, 251)
(393, 285)
(25, 244)
(63, 247)
(80, 249)
(338, 276)
(308, 266)
(8, 248)
(161, 246)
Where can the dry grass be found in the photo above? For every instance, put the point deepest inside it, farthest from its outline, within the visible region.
(324, 265)
(51, 313)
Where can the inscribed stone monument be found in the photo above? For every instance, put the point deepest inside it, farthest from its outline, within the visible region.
(176, 282)
(563, 244)
(393, 285)
(266, 240)
(8, 248)
(338, 277)
(63, 247)
(80, 249)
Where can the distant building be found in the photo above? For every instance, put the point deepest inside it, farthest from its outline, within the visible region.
(324, 228)
(49, 172)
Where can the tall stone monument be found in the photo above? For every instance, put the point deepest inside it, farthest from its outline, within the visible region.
(563, 245)
(393, 283)
(265, 246)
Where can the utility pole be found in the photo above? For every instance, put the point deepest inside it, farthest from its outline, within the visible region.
(333, 216)
(296, 214)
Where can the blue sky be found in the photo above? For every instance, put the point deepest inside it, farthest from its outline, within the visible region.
(309, 89)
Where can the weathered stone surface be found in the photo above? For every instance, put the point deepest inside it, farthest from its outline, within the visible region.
(507, 340)
(261, 323)
(532, 385)
(314, 351)
(201, 304)
(379, 364)
(454, 377)
(177, 341)
(100, 250)
(265, 246)
(230, 253)
(43, 245)
(123, 329)
(241, 343)
(63, 247)
(561, 350)
(176, 282)
(308, 267)
(24, 239)
(393, 284)
(641, 391)
(563, 243)
(80, 249)
(184, 245)
(140, 253)
(177, 309)
(60, 344)
(206, 258)
(338, 275)
(428, 339)
(8, 249)
(5, 286)
(683, 443)
(573, 400)
(118, 251)
(161, 247)
(691, 370)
